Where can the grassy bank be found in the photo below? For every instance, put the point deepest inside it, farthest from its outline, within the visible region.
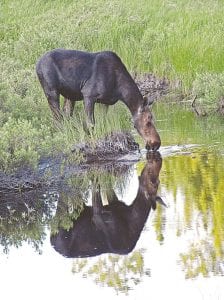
(179, 39)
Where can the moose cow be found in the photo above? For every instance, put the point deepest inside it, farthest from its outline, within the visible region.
(99, 77)
(112, 228)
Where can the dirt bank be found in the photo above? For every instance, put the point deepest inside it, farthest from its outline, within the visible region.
(171, 91)
(112, 147)
(154, 86)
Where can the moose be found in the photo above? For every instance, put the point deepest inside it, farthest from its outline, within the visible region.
(98, 77)
(111, 228)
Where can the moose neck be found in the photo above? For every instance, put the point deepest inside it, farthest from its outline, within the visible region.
(140, 203)
(140, 209)
(130, 94)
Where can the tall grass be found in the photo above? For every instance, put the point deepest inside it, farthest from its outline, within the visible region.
(73, 130)
(177, 39)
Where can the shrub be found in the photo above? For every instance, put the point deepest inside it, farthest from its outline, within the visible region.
(209, 89)
(22, 143)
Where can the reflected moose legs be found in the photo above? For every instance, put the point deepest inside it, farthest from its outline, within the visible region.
(99, 77)
(112, 228)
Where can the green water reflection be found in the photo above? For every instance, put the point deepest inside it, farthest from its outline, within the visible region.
(199, 178)
(178, 126)
(116, 271)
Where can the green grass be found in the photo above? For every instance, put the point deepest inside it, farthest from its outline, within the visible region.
(179, 39)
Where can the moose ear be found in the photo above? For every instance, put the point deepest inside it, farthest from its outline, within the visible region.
(153, 205)
(148, 100)
(160, 201)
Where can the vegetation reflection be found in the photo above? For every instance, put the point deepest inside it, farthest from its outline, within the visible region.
(24, 217)
(199, 178)
(118, 272)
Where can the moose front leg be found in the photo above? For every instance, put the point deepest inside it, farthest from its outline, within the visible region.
(89, 110)
(96, 199)
(68, 107)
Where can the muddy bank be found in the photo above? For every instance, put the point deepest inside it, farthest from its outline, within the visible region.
(153, 86)
(115, 152)
(113, 147)
(163, 89)
(172, 91)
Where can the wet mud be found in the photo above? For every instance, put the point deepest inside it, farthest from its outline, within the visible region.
(113, 147)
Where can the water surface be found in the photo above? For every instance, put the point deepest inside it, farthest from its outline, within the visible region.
(180, 251)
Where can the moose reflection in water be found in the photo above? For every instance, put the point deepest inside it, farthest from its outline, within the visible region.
(115, 227)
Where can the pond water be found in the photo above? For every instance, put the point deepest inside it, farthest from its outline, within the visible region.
(147, 229)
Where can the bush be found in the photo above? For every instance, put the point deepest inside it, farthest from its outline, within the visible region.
(209, 89)
(22, 143)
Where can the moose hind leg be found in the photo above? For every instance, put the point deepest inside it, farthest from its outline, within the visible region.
(53, 101)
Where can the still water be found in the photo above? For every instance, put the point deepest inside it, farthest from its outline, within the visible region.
(146, 230)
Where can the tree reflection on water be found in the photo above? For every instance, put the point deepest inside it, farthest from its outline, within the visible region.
(199, 178)
(116, 271)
